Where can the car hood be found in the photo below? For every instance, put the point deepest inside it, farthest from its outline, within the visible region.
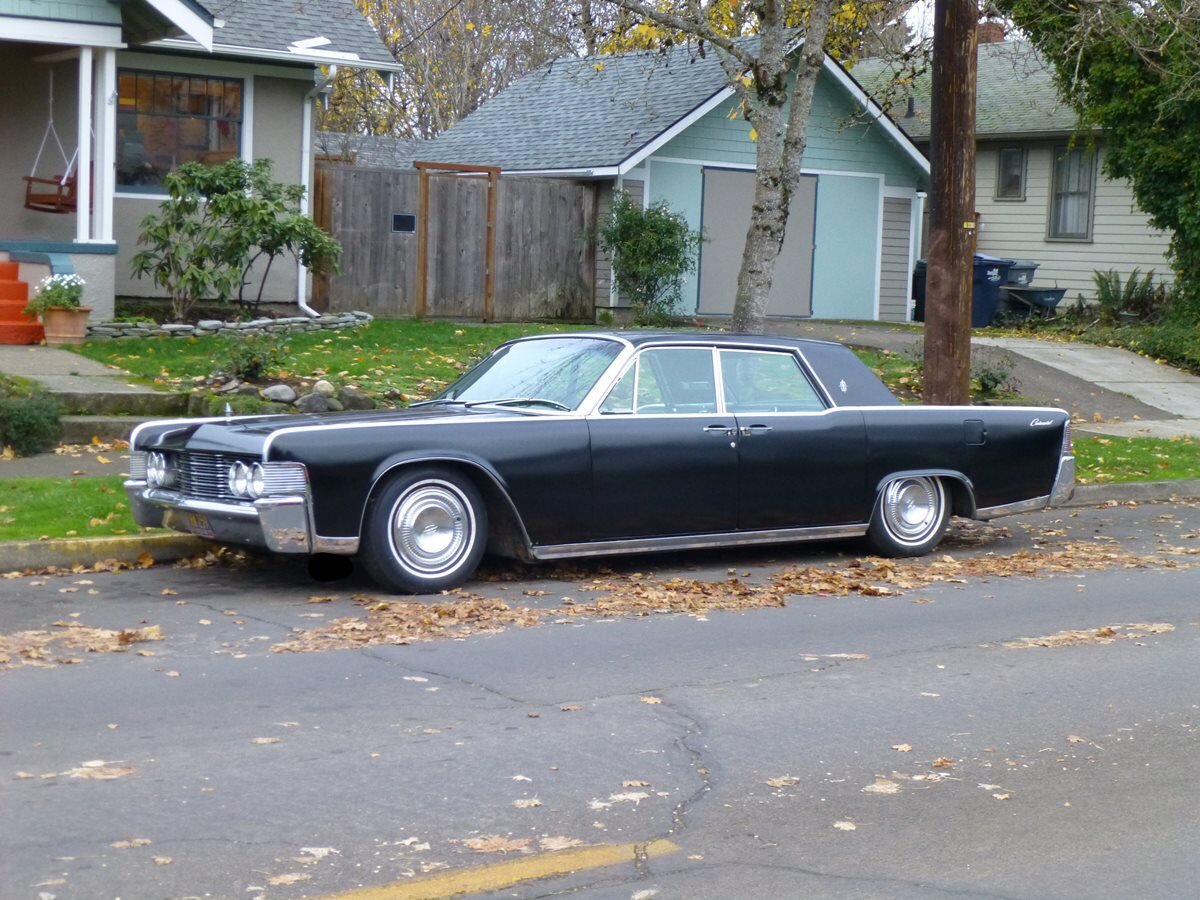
(248, 434)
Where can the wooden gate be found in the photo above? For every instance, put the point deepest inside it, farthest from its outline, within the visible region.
(544, 251)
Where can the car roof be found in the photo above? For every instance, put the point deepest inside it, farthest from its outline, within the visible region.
(639, 338)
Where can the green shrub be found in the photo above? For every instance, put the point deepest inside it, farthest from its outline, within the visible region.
(652, 249)
(29, 424)
(251, 357)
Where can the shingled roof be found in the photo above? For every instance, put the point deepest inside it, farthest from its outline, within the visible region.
(270, 29)
(583, 113)
(1015, 94)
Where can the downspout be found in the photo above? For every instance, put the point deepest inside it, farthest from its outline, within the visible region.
(306, 164)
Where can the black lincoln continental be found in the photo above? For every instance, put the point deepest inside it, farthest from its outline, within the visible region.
(572, 445)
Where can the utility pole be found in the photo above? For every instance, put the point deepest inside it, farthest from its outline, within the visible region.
(952, 204)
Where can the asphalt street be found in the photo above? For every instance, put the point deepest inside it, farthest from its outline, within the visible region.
(903, 745)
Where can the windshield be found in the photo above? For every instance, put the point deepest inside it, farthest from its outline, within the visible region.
(546, 373)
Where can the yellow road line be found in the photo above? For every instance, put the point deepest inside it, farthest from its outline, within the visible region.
(500, 875)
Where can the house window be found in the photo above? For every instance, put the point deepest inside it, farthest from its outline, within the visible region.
(164, 120)
(1010, 174)
(1071, 195)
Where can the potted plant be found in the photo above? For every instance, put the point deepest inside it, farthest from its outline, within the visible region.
(58, 304)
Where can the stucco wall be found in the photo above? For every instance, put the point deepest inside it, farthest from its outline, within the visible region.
(277, 126)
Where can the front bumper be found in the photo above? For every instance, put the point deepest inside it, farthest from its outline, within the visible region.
(279, 524)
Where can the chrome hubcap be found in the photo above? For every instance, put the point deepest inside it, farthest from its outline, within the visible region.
(432, 525)
(912, 509)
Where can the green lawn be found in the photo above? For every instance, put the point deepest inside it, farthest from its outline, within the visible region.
(33, 508)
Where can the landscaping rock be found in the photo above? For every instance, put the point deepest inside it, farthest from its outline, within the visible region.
(312, 403)
(281, 393)
(355, 398)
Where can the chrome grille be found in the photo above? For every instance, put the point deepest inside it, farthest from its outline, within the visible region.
(205, 475)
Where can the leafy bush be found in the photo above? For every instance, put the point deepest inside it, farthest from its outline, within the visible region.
(216, 223)
(1138, 296)
(652, 249)
(251, 357)
(28, 419)
(993, 373)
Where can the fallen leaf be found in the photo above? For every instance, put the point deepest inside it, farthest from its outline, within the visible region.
(559, 842)
(882, 786)
(131, 843)
(496, 843)
(290, 878)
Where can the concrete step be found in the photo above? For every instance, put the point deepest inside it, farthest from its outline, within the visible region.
(81, 429)
(147, 404)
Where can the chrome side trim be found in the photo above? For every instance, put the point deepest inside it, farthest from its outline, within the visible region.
(698, 541)
(1012, 509)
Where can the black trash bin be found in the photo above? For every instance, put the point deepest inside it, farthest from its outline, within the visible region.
(990, 272)
(918, 291)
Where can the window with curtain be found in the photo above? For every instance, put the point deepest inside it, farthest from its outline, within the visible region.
(1010, 174)
(164, 120)
(1071, 194)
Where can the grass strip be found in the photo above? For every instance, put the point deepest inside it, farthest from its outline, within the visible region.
(36, 508)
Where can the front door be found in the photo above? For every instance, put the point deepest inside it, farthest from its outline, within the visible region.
(664, 462)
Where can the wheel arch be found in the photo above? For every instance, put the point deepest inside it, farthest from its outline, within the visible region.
(506, 533)
(959, 486)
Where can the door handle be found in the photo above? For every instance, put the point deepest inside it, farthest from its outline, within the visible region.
(720, 429)
(748, 430)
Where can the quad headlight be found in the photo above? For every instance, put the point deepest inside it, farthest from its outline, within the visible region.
(247, 481)
(160, 470)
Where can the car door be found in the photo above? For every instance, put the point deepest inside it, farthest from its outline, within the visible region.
(664, 460)
(801, 463)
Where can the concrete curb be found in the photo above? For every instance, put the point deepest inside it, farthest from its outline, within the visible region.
(26, 555)
(20, 556)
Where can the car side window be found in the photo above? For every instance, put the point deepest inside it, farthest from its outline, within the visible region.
(766, 381)
(667, 380)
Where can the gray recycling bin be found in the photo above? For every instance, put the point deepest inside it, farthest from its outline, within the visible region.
(989, 274)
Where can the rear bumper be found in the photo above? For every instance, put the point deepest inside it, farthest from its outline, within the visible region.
(279, 524)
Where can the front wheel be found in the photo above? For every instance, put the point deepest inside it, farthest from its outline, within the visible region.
(424, 532)
(910, 516)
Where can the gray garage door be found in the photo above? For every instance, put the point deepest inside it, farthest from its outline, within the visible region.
(728, 196)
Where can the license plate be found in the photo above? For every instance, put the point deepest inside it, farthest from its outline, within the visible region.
(197, 523)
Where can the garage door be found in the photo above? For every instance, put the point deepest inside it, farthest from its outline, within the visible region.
(728, 197)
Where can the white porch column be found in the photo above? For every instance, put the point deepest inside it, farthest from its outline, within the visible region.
(83, 174)
(104, 170)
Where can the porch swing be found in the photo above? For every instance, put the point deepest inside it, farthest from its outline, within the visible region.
(57, 193)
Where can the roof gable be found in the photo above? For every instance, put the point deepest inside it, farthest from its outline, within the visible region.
(1015, 94)
(302, 31)
(604, 114)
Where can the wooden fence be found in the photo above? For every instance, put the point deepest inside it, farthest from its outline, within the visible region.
(545, 266)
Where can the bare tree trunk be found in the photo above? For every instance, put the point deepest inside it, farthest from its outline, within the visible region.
(779, 158)
(952, 204)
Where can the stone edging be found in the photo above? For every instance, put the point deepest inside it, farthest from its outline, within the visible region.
(106, 331)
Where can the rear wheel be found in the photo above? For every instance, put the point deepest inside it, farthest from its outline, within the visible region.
(910, 516)
(425, 532)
